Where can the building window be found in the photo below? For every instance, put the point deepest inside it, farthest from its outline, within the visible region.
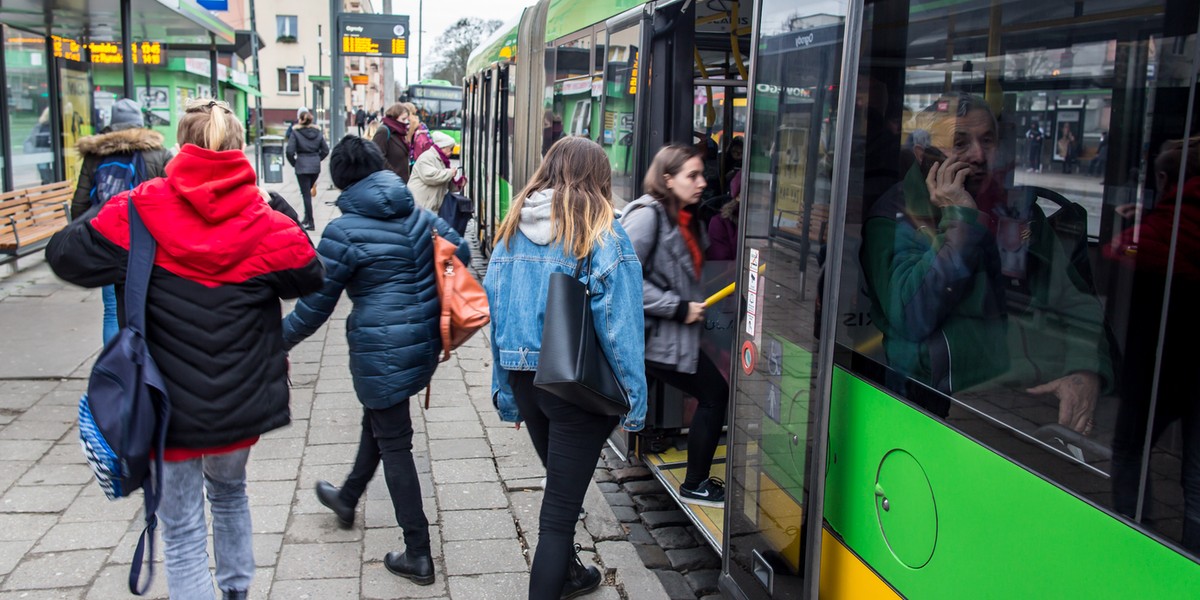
(286, 28)
(289, 83)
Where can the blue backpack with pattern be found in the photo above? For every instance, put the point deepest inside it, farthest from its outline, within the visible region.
(123, 415)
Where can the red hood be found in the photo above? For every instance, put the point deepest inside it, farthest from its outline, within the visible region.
(1148, 245)
(210, 220)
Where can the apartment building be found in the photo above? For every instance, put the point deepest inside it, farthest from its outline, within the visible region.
(294, 61)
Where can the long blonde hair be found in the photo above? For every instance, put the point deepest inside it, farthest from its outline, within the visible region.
(581, 212)
(211, 125)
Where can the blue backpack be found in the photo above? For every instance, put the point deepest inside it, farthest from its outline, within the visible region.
(114, 176)
(123, 415)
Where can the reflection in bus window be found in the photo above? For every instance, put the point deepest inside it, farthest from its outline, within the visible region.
(1020, 239)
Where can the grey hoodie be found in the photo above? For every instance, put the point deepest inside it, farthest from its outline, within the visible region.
(535, 217)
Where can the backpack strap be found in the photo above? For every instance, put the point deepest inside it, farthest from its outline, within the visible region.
(142, 248)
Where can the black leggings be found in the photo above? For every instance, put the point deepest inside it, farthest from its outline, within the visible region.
(306, 181)
(568, 439)
(711, 390)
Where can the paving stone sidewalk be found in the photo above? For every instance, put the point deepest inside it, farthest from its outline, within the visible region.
(60, 538)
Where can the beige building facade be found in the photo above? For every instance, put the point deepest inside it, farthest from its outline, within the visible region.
(295, 59)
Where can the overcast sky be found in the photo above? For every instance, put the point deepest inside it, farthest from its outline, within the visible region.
(440, 14)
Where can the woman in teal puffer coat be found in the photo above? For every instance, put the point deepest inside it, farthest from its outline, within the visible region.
(380, 252)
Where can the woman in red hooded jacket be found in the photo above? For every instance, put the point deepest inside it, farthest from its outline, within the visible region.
(224, 259)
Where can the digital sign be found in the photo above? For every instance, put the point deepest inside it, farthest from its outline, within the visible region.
(108, 53)
(374, 35)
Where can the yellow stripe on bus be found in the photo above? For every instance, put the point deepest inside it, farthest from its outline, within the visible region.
(845, 577)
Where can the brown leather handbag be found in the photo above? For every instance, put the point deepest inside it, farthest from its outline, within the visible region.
(464, 303)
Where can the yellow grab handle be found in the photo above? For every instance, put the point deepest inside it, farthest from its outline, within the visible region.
(728, 290)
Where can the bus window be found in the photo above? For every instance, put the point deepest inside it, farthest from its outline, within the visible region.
(1020, 239)
(620, 91)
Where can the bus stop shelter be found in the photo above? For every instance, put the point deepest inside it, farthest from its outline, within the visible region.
(50, 50)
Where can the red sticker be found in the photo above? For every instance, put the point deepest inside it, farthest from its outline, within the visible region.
(749, 357)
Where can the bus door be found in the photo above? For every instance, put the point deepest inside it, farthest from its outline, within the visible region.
(776, 436)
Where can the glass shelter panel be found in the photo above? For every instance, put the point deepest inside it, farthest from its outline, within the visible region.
(28, 110)
(1020, 249)
(776, 398)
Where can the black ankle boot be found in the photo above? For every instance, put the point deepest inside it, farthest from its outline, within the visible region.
(233, 595)
(418, 569)
(331, 498)
(580, 579)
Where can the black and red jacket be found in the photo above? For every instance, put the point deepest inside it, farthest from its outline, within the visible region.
(213, 314)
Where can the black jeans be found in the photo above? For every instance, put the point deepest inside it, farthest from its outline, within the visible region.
(711, 390)
(306, 181)
(387, 435)
(568, 439)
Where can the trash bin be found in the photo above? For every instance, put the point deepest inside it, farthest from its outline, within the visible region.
(272, 150)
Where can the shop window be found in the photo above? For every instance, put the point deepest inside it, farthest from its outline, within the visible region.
(289, 83)
(286, 28)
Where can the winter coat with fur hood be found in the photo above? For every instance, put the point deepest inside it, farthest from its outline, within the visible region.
(117, 144)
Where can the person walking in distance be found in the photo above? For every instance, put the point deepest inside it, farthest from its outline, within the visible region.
(670, 244)
(564, 216)
(305, 151)
(379, 252)
(360, 121)
(122, 156)
(224, 261)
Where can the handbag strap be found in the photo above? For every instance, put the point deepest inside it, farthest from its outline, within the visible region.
(584, 265)
(137, 273)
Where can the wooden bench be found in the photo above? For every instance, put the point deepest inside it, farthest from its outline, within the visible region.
(28, 218)
(817, 227)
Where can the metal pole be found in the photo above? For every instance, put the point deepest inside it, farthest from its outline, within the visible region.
(421, 30)
(212, 66)
(6, 149)
(337, 112)
(127, 49)
(389, 69)
(258, 122)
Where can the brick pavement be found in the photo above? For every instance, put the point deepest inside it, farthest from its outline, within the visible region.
(60, 538)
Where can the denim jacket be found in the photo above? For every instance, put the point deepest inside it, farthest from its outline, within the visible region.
(517, 281)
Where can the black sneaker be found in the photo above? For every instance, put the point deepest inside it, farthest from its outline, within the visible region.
(580, 579)
(710, 492)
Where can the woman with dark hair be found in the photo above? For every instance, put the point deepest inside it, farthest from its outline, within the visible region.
(305, 151)
(380, 254)
(392, 140)
(670, 244)
(562, 217)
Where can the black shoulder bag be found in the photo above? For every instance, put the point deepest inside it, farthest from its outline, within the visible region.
(571, 364)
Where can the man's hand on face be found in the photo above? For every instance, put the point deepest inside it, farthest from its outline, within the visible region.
(946, 183)
(1077, 394)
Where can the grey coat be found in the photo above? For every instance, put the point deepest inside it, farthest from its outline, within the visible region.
(669, 283)
(306, 149)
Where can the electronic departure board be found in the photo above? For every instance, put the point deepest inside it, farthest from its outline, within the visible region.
(374, 35)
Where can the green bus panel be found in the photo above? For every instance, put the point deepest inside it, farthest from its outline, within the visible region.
(502, 45)
(965, 522)
(569, 16)
(505, 197)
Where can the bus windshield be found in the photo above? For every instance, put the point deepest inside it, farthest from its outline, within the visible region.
(440, 108)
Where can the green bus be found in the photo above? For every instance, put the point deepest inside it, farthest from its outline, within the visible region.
(439, 105)
(965, 386)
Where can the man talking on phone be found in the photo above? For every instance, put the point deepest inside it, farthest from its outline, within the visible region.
(970, 285)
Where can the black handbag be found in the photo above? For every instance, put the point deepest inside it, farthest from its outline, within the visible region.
(571, 364)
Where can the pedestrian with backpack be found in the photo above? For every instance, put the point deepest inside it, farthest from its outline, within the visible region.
(122, 156)
(670, 245)
(380, 253)
(212, 314)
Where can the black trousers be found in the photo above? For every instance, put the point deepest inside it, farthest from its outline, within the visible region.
(387, 434)
(306, 181)
(712, 391)
(568, 439)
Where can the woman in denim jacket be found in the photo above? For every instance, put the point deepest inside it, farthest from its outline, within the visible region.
(563, 215)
